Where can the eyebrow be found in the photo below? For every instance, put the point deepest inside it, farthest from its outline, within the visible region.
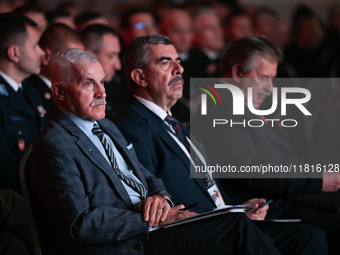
(167, 58)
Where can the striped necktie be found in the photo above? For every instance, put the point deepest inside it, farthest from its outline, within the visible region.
(130, 182)
(178, 130)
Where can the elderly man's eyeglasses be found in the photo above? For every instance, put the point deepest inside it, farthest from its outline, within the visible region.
(141, 25)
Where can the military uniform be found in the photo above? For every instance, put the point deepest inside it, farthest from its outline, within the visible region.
(22, 115)
(44, 92)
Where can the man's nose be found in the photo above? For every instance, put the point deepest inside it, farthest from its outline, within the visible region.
(100, 91)
(178, 68)
(116, 64)
(269, 85)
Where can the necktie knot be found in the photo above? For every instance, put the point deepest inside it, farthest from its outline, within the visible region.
(173, 122)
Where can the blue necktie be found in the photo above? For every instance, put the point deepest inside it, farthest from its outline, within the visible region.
(130, 182)
(178, 130)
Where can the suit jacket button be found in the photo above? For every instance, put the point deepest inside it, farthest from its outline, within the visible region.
(137, 246)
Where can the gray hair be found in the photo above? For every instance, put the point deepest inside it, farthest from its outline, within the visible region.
(245, 52)
(137, 55)
(62, 70)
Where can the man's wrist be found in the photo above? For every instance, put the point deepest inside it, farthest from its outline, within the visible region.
(166, 195)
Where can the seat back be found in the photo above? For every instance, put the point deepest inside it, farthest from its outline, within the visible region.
(36, 214)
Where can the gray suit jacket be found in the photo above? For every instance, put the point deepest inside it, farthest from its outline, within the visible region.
(88, 208)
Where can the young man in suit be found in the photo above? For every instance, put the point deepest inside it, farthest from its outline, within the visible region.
(22, 114)
(252, 62)
(163, 144)
(98, 198)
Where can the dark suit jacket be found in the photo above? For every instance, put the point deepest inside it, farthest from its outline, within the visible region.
(17, 116)
(44, 92)
(159, 153)
(247, 146)
(89, 208)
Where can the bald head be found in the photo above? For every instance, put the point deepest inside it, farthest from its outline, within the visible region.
(177, 24)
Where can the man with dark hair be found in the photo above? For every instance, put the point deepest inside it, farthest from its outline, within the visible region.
(85, 19)
(60, 16)
(137, 22)
(56, 37)
(103, 41)
(251, 62)
(163, 144)
(21, 110)
(34, 13)
(98, 198)
(208, 43)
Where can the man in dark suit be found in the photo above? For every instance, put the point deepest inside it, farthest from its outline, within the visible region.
(22, 114)
(103, 41)
(208, 43)
(156, 82)
(98, 198)
(252, 62)
(55, 38)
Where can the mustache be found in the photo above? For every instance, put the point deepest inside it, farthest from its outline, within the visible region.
(98, 101)
(265, 93)
(176, 79)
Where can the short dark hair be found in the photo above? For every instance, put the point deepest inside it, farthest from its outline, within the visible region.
(85, 17)
(137, 55)
(244, 52)
(13, 30)
(92, 36)
(126, 18)
(56, 35)
(52, 15)
(28, 8)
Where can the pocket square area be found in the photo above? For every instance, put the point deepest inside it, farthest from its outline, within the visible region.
(129, 146)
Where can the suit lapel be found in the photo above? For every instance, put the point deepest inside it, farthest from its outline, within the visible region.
(156, 125)
(91, 151)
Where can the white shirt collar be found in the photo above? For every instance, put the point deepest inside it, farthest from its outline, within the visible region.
(44, 79)
(184, 55)
(11, 82)
(212, 55)
(153, 107)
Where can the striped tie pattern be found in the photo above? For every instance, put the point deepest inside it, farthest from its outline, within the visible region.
(133, 184)
(177, 128)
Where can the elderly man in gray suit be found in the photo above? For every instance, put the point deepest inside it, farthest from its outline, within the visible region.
(98, 198)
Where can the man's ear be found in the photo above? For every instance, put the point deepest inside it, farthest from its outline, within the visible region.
(46, 58)
(88, 50)
(138, 77)
(13, 53)
(235, 72)
(58, 92)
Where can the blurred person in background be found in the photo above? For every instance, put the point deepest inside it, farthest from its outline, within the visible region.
(137, 22)
(56, 37)
(103, 41)
(60, 16)
(208, 42)
(34, 13)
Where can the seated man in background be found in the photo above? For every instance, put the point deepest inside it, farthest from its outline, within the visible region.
(98, 197)
(163, 144)
(103, 41)
(56, 37)
(252, 62)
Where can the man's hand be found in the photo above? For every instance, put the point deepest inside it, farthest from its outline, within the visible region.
(258, 214)
(330, 182)
(176, 214)
(154, 209)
